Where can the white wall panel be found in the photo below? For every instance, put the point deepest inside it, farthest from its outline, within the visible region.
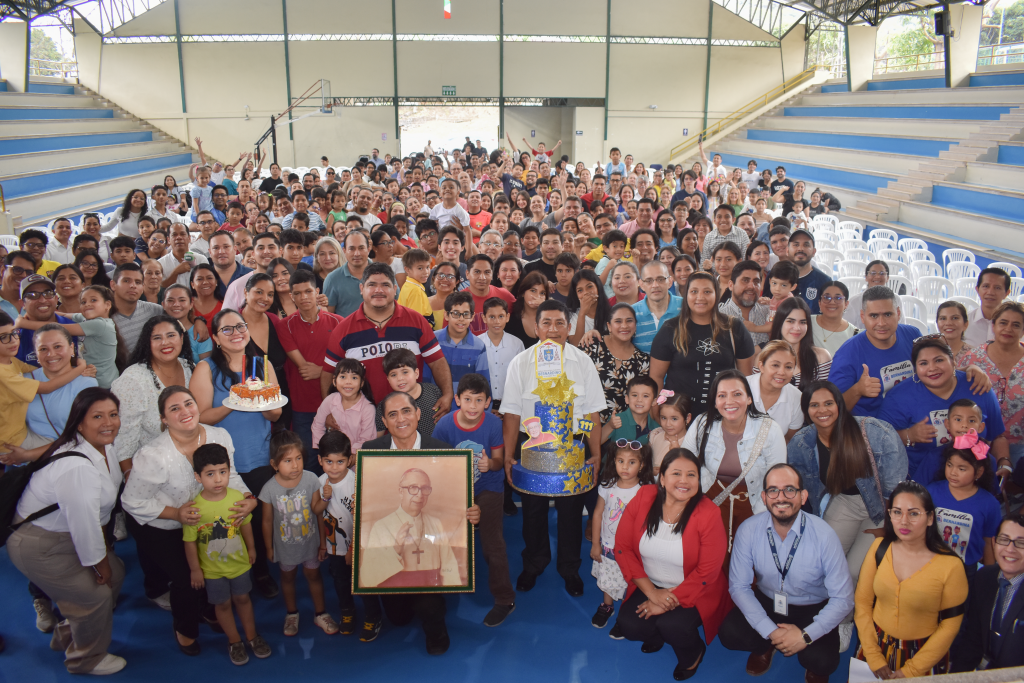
(424, 67)
(158, 21)
(676, 84)
(554, 70)
(345, 65)
(730, 26)
(427, 16)
(229, 16)
(658, 18)
(564, 17)
(142, 78)
(739, 74)
(339, 16)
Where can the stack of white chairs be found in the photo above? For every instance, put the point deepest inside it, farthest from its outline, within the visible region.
(9, 241)
(956, 270)
(846, 243)
(908, 244)
(825, 239)
(827, 259)
(900, 284)
(1013, 270)
(954, 255)
(824, 219)
(856, 285)
(965, 287)
(901, 269)
(914, 307)
(970, 303)
(878, 244)
(850, 269)
(919, 255)
(925, 268)
(882, 233)
(862, 255)
(933, 291)
(851, 225)
(894, 255)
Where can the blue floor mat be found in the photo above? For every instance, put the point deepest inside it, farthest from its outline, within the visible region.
(547, 638)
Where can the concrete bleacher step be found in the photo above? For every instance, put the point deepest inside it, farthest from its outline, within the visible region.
(916, 111)
(973, 230)
(1011, 153)
(929, 96)
(868, 142)
(43, 127)
(34, 99)
(54, 160)
(22, 184)
(988, 174)
(9, 113)
(988, 78)
(874, 162)
(40, 207)
(895, 127)
(26, 144)
(1000, 203)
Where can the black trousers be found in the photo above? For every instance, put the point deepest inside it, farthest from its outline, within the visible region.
(676, 627)
(255, 480)
(537, 553)
(341, 572)
(820, 657)
(428, 607)
(166, 549)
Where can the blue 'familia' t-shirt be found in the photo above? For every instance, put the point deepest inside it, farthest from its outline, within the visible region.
(891, 365)
(911, 402)
(485, 436)
(965, 524)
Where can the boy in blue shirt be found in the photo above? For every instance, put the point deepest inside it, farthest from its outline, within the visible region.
(474, 427)
(615, 164)
(464, 352)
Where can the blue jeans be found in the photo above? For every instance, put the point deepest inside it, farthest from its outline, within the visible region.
(302, 424)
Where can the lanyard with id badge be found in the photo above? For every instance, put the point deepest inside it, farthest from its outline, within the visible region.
(781, 599)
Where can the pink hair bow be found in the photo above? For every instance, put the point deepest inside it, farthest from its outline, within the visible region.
(665, 395)
(972, 442)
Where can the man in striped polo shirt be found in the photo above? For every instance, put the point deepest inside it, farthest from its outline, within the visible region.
(380, 325)
(658, 306)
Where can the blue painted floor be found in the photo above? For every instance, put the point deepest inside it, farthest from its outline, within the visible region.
(547, 638)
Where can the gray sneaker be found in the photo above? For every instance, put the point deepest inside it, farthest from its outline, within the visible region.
(238, 654)
(45, 621)
(260, 647)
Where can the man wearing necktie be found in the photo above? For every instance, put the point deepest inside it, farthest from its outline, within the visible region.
(992, 636)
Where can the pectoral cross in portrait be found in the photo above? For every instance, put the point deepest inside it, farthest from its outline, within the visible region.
(417, 553)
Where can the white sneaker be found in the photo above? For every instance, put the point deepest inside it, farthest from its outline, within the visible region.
(845, 636)
(163, 601)
(45, 621)
(120, 530)
(326, 622)
(110, 664)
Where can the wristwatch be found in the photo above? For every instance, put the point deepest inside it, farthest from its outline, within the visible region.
(807, 638)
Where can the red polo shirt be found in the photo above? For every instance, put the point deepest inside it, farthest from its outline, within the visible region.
(479, 326)
(357, 337)
(310, 339)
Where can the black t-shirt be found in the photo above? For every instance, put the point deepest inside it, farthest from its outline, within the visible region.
(516, 329)
(824, 458)
(269, 184)
(692, 373)
(786, 184)
(548, 270)
(787, 202)
(815, 210)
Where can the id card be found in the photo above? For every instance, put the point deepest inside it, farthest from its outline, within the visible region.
(781, 604)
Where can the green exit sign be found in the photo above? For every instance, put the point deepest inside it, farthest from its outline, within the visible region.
(447, 91)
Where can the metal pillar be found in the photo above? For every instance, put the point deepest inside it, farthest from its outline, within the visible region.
(181, 68)
(707, 66)
(607, 65)
(287, 68)
(501, 71)
(846, 48)
(394, 60)
(28, 48)
(946, 47)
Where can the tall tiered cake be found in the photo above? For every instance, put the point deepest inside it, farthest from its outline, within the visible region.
(552, 462)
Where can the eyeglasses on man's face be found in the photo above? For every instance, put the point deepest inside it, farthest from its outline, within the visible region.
(787, 491)
(1001, 539)
(417, 490)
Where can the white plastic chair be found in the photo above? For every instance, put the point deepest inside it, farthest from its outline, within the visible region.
(882, 233)
(877, 244)
(919, 324)
(925, 268)
(846, 244)
(901, 269)
(965, 287)
(894, 255)
(825, 239)
(9, 241)
(956, 270)
(862, 255)
(850, 269)
(933, 291)
(1020, 299)
(1016, 287)
(919, 255)
(951, 255)
(900, 284)
(828, 258)
(1013, 270)
(832, 221)
(909, 243)
(851, 225)
(968, 303)
(913, 307)
(856, 285)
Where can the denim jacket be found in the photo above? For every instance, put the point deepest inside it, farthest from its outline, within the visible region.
(890, 457)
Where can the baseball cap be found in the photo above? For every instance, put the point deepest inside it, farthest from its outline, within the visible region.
(34, 279)
(793, 235)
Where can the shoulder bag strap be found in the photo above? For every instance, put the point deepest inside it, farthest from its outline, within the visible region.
(755, 452)
(49, 509)
(42, 402)
(874, 465)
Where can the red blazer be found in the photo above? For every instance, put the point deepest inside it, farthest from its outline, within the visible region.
(706, 586)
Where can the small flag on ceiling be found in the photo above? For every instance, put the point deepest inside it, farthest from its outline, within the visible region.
(447, 9)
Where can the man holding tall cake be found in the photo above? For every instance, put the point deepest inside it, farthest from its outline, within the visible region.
(557, 383)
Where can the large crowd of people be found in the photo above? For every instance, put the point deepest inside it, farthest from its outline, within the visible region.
(777, 464)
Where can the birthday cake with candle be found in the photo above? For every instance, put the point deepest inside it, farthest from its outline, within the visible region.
(553, 463)
(254, 393)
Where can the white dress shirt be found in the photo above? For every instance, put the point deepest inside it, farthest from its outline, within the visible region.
(580, 370)
(86, 491)
(138, 388)
(168, 262)
(773, 453)
(55, 251)
(499, 357)
(979, 329)
(162, 477)
(786, 412)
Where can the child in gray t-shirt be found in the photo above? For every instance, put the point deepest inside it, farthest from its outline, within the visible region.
(291, 530)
